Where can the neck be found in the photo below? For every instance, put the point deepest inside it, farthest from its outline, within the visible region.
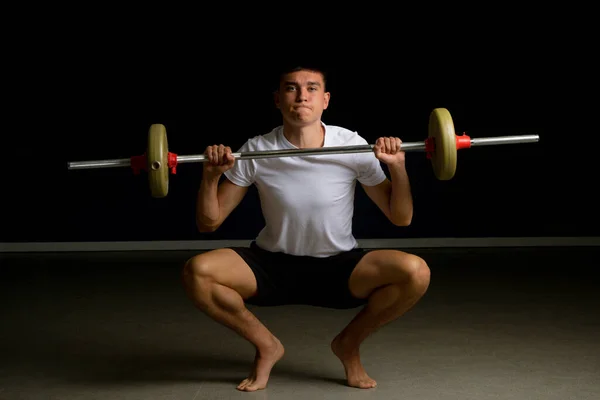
(303, 137)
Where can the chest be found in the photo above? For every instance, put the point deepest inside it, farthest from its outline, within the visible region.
(313, 181)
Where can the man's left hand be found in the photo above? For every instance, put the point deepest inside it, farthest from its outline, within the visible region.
(388, 150)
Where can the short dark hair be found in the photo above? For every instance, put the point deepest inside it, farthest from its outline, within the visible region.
(289, 68)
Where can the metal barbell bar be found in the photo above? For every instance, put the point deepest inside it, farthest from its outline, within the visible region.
(406, 146)
(441, 146)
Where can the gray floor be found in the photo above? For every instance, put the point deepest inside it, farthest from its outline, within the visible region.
(495, 324)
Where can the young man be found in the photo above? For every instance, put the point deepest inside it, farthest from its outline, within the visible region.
(306, 253)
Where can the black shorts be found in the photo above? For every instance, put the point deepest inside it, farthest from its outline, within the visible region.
(287, 279)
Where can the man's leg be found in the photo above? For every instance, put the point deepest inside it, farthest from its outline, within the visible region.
(393, 281)
(218, 282)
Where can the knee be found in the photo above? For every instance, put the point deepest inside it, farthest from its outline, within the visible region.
(196, 270)
(419, 274)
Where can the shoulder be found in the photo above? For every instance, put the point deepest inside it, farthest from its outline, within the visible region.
(264, 141)
(341, 136)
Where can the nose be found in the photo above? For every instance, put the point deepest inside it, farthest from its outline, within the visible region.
(302, 94)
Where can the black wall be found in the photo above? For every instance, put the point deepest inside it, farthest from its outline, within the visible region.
(100, 105)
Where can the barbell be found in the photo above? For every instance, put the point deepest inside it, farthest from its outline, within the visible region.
(441, 147)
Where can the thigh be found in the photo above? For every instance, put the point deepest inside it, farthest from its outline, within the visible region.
(384, 267)
(226, 267)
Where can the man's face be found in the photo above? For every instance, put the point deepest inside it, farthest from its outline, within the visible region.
(302, 97)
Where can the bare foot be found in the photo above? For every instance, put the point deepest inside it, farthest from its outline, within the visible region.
(350, 358)
(261, 369)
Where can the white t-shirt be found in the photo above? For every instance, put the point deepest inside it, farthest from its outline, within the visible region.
(307, 201)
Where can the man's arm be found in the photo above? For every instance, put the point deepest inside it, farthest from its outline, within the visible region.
(393, 198)
(216, 201)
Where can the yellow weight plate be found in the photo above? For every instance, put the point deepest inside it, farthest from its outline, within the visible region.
(157, 159)
(441, 130)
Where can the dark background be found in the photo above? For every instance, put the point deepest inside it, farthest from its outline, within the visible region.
(72, 102)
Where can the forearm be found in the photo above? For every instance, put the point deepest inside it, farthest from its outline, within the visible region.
(207, 204)
(401, 202)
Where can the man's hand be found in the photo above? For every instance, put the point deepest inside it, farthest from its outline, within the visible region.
(388, 150)
(220, 160)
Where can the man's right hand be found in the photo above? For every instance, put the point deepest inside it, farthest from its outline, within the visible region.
(219, 160)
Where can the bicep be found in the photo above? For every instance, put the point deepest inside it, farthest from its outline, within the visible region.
(230, 196)
(380, 195)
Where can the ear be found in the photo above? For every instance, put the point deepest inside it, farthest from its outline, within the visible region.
(326, 97)
(276, 99)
